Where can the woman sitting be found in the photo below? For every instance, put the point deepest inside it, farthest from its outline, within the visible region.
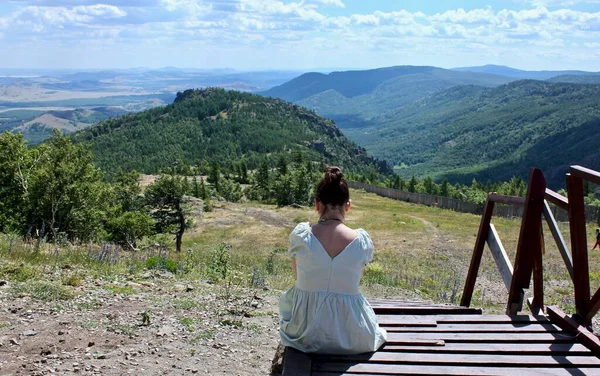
(325, 312)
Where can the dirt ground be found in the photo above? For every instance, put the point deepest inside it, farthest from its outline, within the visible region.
(101, 333)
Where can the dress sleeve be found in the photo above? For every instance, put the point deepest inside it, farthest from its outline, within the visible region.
(367, 245)
(298, 238)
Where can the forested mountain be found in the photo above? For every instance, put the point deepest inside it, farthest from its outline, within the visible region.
(215, 125)
(576, 79)
(523, 74)
(490, 133)
(353, 97)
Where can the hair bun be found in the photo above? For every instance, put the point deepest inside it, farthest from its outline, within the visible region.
(333, 174)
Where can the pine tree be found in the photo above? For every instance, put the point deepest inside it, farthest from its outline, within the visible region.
(412, 184)
(444, 187)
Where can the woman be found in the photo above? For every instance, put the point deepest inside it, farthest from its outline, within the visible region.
(325, 312)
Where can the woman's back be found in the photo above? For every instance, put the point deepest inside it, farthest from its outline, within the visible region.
(324, 311)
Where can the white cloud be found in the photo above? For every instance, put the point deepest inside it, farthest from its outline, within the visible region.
(301, 25)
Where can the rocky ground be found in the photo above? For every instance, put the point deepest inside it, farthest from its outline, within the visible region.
(155, 325)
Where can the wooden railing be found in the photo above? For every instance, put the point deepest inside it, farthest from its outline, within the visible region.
(530, 246)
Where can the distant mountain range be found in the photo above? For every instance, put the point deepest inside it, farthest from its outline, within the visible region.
(524, 74)
(485, 122)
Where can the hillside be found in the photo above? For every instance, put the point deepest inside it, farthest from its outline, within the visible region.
(37, 125)
(353, 97)
(208, 125)
(490, 133)
(576, 79)
(523, 74)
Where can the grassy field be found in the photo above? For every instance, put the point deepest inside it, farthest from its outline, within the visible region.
(421, 253)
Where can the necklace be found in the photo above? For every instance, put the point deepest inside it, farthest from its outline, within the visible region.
(323, 220)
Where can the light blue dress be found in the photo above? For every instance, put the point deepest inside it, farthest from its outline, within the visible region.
(325, 312)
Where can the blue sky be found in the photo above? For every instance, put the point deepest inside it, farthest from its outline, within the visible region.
(299, 34)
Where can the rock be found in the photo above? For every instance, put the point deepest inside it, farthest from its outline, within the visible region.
(3, 282)
(179, 287)
(133, 284)
(91, 343)
(189, 288)
(14, 342)
(165, 330)
(29, 333)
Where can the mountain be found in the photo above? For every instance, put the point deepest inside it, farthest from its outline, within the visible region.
(208, 125)
(490, 133)
(37, 125)
(523, 74)
(576, 79)
(351, 98)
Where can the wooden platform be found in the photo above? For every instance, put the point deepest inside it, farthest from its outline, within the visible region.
(430, 339)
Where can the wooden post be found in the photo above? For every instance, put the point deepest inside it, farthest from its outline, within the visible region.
(579, 245)
(529, 247)
(560, 242)
(538, 279)
(482, 235)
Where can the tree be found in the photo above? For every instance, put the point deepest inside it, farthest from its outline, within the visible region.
(282, 168)
(444, 187)
(165, 198)
(66, 193)
(127, 228)
(262, 176)
(127, 190)
(214, 175)
(16, 166)
(428, 184)
(412, 184)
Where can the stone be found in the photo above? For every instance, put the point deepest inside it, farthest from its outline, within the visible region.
(29, 333)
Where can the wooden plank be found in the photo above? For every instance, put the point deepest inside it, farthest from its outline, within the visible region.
(399, 301)
(407, 369)
(557, 199)
(528, 247)
(451, 310)
(502, 261)
(585, 173)
(396, 338)
(567, 323)
(507, 200)
(405, 320)
(484, 227)
(479, 319)
(476, 328)
(558, 238)
(577, 226)
(498, 348)
(296, 363)
(461, 359)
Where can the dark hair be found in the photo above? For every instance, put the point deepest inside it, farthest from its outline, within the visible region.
(333, 189)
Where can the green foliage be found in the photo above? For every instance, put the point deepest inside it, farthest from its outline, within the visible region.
(54, 189)
(130, 226)
(165, 197)
(219, 267)
(230, 190)
(162, 263)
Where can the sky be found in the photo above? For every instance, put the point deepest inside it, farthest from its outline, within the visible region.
(299, 34)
